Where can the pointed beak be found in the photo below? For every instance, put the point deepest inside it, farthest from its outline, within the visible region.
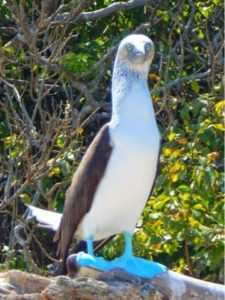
(139, 53)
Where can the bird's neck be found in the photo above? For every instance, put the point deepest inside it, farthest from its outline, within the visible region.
(131, 100)
(124, 78)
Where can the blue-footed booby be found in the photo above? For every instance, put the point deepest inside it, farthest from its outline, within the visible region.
(110, 188)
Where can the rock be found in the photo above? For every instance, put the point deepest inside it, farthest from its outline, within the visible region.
(116, 284)
(21, 285)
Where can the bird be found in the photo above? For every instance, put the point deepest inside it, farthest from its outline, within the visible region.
(114, 180)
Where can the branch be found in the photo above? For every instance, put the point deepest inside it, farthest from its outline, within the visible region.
(103, 12)
(111, 9)
(178, 286)
(180, 80)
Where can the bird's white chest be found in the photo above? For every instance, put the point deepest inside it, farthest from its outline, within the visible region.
(129, 176)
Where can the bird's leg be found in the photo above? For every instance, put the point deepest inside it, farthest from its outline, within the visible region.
(90, 248)
(128, 251)
(134, 265)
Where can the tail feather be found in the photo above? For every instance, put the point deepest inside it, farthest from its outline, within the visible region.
(45, 218)
(51, 220)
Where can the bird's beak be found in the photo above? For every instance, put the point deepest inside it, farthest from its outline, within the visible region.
(139, 53)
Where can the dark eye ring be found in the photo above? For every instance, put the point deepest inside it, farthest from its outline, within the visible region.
(129, 47)
(147, 47)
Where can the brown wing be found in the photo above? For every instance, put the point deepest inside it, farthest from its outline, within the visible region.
(82, 189)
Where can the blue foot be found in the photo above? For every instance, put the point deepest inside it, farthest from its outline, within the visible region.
(131, 264)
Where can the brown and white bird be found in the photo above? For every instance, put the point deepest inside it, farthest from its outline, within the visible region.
(110, 188)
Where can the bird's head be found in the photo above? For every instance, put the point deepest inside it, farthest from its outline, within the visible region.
(136, 52)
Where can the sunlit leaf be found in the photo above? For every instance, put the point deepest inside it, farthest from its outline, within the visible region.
(171, 136)
(199, 206)
(213, 155)
(174, 177)
(220, 107)
(80, 130)
(181, 140)
(54, 171)
(193, 222)
(219, 126)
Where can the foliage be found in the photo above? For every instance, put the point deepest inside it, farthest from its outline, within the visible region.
(54, 96)
(188, 197)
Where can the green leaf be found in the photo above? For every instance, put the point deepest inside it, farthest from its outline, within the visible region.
(195, 86)
(184, 114)
(60, 141)
(184, 189)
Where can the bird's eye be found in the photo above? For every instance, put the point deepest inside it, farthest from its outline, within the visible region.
(130, 47)
(147, 47)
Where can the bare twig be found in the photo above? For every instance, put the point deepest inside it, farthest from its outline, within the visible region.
(9, 200)
(18, 98)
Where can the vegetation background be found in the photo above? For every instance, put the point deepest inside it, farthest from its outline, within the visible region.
(56, 61)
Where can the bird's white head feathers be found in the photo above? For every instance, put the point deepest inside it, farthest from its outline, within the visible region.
(135, 53)
(131, 67)
(133, 59)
